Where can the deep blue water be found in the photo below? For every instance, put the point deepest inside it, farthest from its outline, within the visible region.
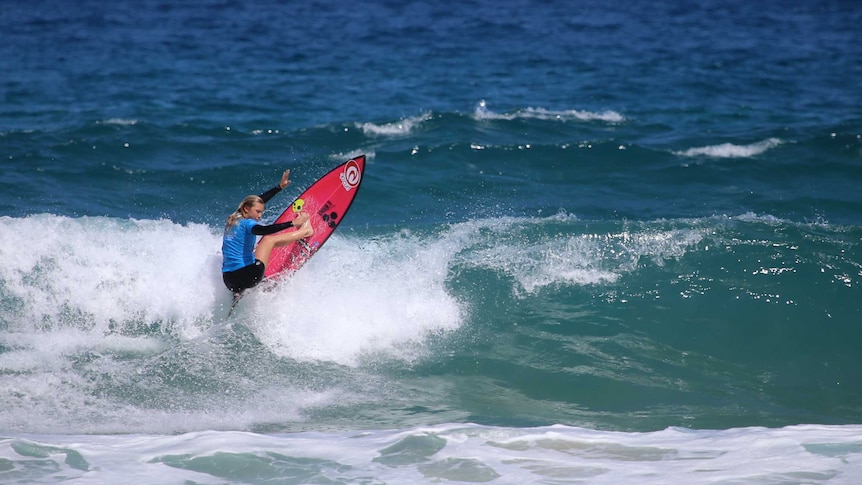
(589, 234)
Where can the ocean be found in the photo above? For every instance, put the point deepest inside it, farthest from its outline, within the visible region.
(596, 242)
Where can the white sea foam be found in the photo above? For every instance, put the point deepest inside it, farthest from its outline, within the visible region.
(121, 122)
(567, 259)
(358, 298)
(729, 150)
(342, 156)
(87, 278)
(108, 297)
(448, 453)
(96, 273)
(483, 113)
(397, 128)
(117, 293)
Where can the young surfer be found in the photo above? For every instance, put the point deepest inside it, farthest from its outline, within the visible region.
(243, 265)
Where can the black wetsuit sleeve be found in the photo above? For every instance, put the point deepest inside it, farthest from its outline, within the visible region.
(269, 194)
(261, 230)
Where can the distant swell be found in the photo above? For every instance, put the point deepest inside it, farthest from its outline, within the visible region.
(483, 113)
(730, 150)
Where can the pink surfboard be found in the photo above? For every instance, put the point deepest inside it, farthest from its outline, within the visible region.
(326, 202)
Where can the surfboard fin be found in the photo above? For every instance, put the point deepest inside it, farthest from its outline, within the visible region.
(236, 298)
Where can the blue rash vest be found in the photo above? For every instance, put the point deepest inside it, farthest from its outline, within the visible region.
(238, 245)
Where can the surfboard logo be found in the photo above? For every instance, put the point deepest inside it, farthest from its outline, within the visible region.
(351, 175)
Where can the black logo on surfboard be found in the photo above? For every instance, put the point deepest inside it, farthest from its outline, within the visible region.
(329, 217)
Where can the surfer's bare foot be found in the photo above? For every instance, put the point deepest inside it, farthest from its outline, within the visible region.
(300, 220)
(306, 230)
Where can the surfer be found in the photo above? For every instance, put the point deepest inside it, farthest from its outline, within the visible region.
(243, 265)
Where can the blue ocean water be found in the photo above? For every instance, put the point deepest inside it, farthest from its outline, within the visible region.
(595, 243)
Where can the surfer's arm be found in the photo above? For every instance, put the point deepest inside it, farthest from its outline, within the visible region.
(269, 194)
(261, 230)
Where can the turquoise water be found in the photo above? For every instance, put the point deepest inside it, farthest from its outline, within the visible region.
(600, 244)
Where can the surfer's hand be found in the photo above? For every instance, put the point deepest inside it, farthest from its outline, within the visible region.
(285, 179)
(300, 219)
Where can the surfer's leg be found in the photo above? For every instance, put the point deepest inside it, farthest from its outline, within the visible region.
(264, 247)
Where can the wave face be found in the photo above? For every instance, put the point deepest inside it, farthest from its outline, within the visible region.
(709, 322)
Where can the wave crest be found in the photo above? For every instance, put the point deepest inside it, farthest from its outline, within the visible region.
(730, 150)
(483, 113)
(401, 127)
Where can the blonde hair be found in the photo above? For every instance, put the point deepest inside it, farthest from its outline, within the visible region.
(246, 203)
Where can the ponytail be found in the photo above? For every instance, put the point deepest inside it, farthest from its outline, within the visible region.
(246, 203)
